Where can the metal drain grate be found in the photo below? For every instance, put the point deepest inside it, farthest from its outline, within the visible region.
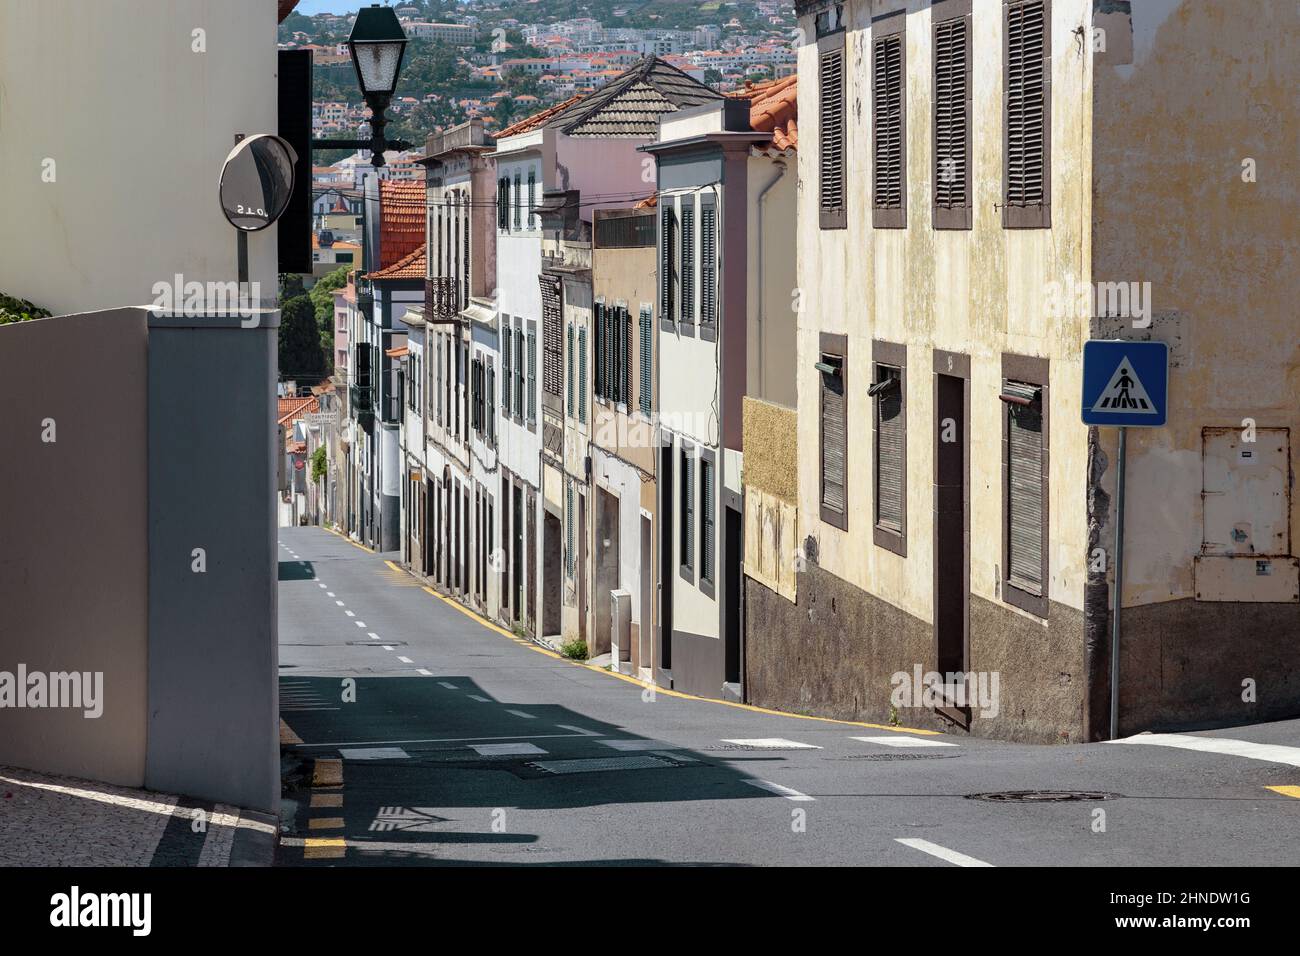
(1042, 796)
(602, 764)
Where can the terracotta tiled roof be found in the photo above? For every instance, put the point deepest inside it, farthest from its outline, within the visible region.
(410, 266)
(650, 202)
(538, 120)
(401, 224)
(774, 108)
(292, 408)
(400, 352)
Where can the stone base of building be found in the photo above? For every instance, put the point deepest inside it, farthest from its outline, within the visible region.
(836, 653)
(1184, 664)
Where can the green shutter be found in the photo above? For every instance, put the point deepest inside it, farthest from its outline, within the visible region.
(647, 351)
(568, 379)
(688, 261)
(582, 374)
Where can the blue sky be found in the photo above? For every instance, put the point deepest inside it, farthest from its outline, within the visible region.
(309, 7)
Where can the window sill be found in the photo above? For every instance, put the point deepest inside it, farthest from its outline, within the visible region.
(890, 540)
(1031, 603)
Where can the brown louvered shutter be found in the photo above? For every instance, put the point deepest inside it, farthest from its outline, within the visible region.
(686, 280)
(834, 433)
(552, 336)
(1026, 116)
(889, 450)
(708, 260)
(1025, 496)
(889, 164)
(831, 120)
(952, 112)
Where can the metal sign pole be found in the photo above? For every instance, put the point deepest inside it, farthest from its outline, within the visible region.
(1119, 585)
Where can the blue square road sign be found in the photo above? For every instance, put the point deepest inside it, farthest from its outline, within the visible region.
(1125, 383)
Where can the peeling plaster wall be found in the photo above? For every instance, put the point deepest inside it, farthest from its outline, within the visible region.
(981, 292)
(1204, 87)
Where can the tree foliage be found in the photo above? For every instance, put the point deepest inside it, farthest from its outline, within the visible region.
(301, 356)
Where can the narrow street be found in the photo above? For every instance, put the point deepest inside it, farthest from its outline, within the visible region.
(461, 744)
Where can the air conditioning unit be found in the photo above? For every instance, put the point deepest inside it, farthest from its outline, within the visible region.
(620, 626)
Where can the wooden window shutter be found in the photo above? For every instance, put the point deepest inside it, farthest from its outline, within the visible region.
(952, 119)
(666, 259)
(889, 125)
(490, 403)
(830, 92)
(505, 368)
(688, 510)
(582, 374)
(520, 372)
(688, 261)
(532, 372)
(646, 357)
(708, 260)
(625, 356)
(1025, 496)
(519, 201)
(552, 336)
(890, 477)
(532, 198)
(834, 439)
(600, 349)
(610, 373)
(706, 521)
(1027, 91)
(568, 382)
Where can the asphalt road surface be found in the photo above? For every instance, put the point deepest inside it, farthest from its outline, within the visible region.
(414, 734)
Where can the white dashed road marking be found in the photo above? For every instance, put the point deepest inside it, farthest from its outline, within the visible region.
(1273, 753)
(781, 791)
(636, 744)
(579, 730)
(481, 700)
(520, 713)
(374, 753)
(903, 741)
(942, 852)
(423, 672)
(774, 743)
(406, 660)
(502, 750)
(443, 683)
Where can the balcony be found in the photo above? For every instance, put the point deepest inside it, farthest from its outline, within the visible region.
(442, 299)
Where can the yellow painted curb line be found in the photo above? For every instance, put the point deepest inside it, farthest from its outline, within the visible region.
(1286, 791)
(323, 800)
(340, 534)
(474, 615)
(325, 823)
(324, 848)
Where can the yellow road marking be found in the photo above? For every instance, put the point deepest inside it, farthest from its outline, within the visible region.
(326, 800)
(1286, 791)
(663, 690)
(325, 823)
(287, 736)
(324, 848)
(354, 544)
(327, 773)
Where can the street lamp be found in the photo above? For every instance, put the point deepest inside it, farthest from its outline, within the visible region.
(377, 44)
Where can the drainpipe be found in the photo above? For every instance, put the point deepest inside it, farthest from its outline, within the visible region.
(762, 299)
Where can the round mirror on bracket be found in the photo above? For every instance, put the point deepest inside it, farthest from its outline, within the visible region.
(257, 181)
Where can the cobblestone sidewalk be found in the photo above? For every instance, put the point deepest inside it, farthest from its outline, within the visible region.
(48, 820)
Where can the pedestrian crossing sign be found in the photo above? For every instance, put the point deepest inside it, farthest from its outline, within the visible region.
(1125, 383)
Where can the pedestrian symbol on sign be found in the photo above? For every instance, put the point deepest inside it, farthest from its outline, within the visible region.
(1124, 393)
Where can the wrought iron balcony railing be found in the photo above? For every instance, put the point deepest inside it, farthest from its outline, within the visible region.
(442, 299)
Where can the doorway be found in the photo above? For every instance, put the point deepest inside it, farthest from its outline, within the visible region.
(666, 574)
(952, 519)
(732, 612)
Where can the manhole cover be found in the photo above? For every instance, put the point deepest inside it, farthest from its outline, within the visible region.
(602, 764)
(1042, 796)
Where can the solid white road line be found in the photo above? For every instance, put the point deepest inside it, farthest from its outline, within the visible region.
(1273, 753)
(434, 740)
(903, 741)
(780, 791)
(942, 852)
(520, 713)
(775, 743)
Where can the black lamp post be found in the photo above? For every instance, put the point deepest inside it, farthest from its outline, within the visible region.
(377, 44)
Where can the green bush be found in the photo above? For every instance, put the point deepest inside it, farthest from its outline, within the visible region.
(19, 310)
(575, 650)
